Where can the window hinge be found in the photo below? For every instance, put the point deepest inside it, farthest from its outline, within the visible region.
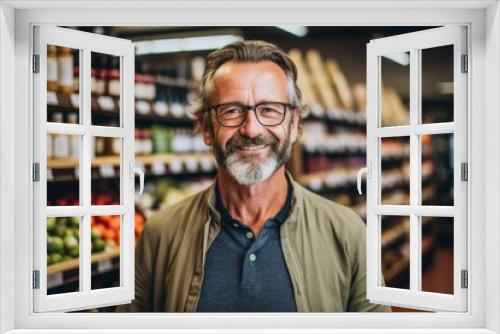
(36, 279)
(36, 63)
(36, 172)
(464, 279)
(465, 66)
(464, 175)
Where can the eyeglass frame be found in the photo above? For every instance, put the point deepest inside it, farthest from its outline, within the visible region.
(252, 107)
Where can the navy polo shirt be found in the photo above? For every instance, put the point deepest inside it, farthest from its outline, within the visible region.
(244, 273)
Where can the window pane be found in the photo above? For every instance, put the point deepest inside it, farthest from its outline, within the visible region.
(395, 92)
(437, 84)
(395, 251)
(437, 247)
(63, 85)
(395, 170)
(63, 254)
(106, 170)
(437, 169)
(106, 89)
(63, 169)
(106, 251)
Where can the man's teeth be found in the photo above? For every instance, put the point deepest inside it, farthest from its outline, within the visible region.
(252, 148)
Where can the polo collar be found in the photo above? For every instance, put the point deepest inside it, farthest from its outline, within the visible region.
(295, 193)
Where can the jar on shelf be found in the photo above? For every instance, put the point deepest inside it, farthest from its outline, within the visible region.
(149, 87)
(147, 142)
(101, 81)
(139, 86)
(60, 141)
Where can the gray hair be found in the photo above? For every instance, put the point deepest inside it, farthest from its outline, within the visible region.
(244, 51)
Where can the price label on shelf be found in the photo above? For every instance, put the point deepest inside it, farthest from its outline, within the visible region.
(191, 165)
(160, 108)
(52, 99)
(75, 100)
(142, 107)
(104, 266)
(107, 171)
(315, 184)
(54, 280)
(175, 166)
(206, 164)
(158, 168)
(177, 110)
(106, 103)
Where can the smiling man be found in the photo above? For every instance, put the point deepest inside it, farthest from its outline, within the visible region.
(254, 241)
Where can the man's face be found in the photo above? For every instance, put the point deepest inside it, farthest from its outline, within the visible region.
(252, 152)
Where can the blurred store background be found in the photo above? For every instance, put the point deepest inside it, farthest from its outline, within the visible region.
(169, 62)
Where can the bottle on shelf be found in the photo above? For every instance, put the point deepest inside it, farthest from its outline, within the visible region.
(147, 142)
(52, 77)
(65, 70)
(74, 141)
(114, 77)
(99, 64)
(138, 142)
(61, 146)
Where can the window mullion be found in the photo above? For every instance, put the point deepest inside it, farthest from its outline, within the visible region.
(415, 163)
(85, 181)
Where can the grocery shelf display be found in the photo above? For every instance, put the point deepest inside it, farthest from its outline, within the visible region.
(177, 163)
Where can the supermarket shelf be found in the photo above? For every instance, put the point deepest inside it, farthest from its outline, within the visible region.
(329, 179)
(75, 263)
(319, 113)
(392, 234)
(336, 178)
(166, 158)
(65, 106)
(392, 272)
(107, 167)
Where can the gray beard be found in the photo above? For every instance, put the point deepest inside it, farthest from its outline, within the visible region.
(245, 170)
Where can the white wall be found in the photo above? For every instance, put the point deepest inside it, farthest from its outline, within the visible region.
(492, 158)
(6, 165)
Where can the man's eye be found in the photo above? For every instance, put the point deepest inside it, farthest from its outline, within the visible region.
(269, 110)
(231, 111)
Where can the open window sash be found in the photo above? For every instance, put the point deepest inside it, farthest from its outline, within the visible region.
(84, 297)
(413, 44)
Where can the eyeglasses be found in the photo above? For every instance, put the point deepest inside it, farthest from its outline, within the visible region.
(234, 114)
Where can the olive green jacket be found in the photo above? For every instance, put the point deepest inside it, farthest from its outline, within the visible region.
(324, 246)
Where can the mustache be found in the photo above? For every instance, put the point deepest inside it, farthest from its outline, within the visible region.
(243, 141)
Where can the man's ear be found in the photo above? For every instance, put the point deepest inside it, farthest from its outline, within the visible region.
(206, 128)
(295, 124)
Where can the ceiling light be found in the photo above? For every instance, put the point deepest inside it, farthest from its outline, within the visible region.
(401, 58)
(184, 44)
(300, 31)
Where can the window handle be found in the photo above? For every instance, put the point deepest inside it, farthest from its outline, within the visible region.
(359, 175)
(135, 170)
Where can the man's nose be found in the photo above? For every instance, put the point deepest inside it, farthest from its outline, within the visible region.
(251, 126)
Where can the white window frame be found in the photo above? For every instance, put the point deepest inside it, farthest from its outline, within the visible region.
(16, 21)
(85, 43)
(415, 43)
